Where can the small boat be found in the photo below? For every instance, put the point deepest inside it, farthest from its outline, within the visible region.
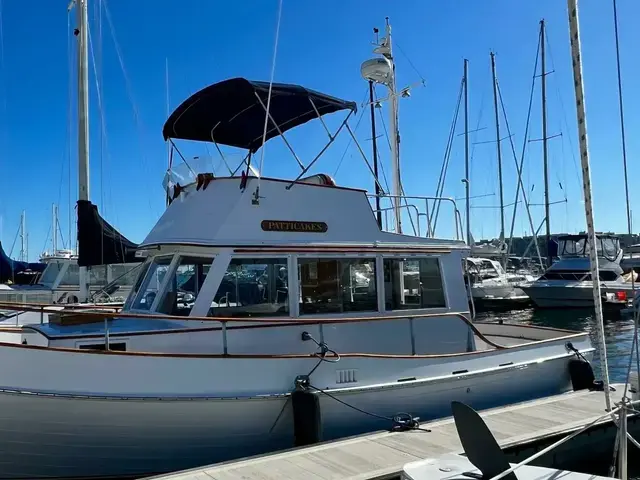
(492, 288)
(567, 283)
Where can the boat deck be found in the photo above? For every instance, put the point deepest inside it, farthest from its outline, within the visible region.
(383, 454)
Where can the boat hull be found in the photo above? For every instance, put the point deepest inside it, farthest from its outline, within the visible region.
(74, 435)
(578, 295)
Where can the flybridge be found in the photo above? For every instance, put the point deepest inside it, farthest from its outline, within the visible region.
(233, 113)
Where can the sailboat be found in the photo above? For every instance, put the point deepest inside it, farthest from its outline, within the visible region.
(100, 274)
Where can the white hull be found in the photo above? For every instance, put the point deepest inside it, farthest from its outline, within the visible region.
(496, 291)
(180, 422)
(555, 294)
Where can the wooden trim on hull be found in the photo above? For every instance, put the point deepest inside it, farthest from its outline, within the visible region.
(399, 315)
(330, 248)
(288, 356)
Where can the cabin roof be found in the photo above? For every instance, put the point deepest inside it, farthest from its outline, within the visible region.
(224, 215)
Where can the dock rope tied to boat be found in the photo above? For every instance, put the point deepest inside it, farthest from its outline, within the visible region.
(400, 422)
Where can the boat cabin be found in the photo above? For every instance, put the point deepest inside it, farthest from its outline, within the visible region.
(574, 263)
(244, 248)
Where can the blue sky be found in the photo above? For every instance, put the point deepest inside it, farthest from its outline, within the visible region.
(322, 45)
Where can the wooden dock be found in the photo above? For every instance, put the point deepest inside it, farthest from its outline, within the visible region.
(382, 455)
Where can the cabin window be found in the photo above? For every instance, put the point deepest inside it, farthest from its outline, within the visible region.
(184, 286)
(413, 283)
(253, 288)
(148, 290)
(329, 285)
(71, 276)
(116, 347)
(98, 275)
(51, 273)
(138, 283)
(124, 274)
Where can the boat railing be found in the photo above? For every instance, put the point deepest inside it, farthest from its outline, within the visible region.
(94, 315)
(422, 213)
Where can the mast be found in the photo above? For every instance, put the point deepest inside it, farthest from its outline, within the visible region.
(23, 236)
(83, 123)
(545, 160)
(54, 228)
(574, 35)
(375, 153)
(466, 151)
(498, 149)
(393, 113)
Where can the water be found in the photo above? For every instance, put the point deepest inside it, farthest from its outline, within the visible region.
(618, 333)
(618, 339)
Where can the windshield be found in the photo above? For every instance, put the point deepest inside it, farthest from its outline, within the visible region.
(148, 284)
(571, 246)
(607, 247)
(51, 273)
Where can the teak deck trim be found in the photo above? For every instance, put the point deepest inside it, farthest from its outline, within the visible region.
(383, 454)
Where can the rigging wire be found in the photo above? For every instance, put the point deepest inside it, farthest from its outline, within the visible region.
(422, 79)
(622, 132)
(524, 145)
(524, 196)
(386, 132)
(69, 128)
(573, 149)
(3, 93)
(355, 129)
(266, 116)
(102, 130)
(474, 144)
(131, 98)
(98, 71)
(447, 157)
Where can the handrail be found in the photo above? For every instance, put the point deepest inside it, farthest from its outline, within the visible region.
(408, 207)
(457, 219)
(224, 320)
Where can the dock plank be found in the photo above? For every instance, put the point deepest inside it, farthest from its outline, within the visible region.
(382, 454)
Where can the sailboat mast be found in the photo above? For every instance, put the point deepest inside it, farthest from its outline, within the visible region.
(545, 159)
(498, 149)
(375, 153)
(83, 123)
(54, 228)
(23, 236)
(466, 151)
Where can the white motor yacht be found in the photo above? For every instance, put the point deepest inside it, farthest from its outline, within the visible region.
(493, 287)
(567, 283)
(254, 288)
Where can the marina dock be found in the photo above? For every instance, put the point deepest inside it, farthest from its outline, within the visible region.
(382, 455)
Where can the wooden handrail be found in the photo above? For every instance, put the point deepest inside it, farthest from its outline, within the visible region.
(290, 321)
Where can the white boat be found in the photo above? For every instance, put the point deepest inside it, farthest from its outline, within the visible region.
(59, 282)
(109, 286)
(201, 364)
(567, 283)
(491, 286)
